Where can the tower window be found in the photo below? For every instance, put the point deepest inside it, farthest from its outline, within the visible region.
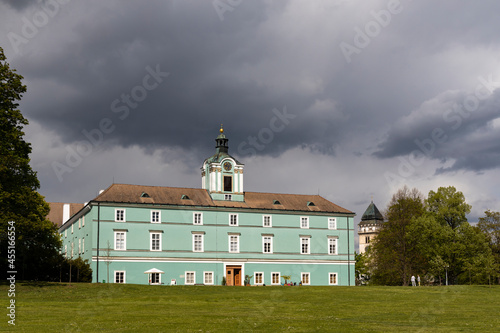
(228, 184)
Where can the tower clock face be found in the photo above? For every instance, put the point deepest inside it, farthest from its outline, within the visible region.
(227, 166)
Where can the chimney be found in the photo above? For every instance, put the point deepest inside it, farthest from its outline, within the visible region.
(66, 212)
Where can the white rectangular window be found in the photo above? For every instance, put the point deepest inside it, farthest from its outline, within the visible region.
(83, 221)
(275, 278)
(197, 218)
(155, 241)
(119, 276)
(332, 279)
(305, 278)
(66, 233)
(267, 244)
(120, 240)
(190, 278)
(79, 223)
(79, 246)
(233, 219)
(72, 228)
(266, 221)
(332, 245)
(332, 223)
(83, 245)
(72, 250)
(155, 278)
(197, 242)
(66, 250)
(304, 222)
(119, 215)
(304, 245)
(208, 277)
(234, 243)
(155, 216)
(258, 278)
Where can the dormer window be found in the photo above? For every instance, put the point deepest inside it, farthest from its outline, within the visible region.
(310, 203)
(145, 195)
(228, 197)
(185, 197)
(276, 202)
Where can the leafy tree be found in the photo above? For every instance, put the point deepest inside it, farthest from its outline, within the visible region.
(472, 254)
(430, 241)
(448, 206)
(490, 226)
(78, 269)
(22, 208)
(395, 255)
(362, 267)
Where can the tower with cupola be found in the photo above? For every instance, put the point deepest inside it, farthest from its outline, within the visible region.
(369, 226)
(222, 174)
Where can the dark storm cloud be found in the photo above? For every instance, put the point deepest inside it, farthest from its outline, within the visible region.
(112, 51)
(260, 59)
(463, 128)
(19, 4)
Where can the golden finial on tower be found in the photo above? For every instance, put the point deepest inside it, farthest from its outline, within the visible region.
(221, 129)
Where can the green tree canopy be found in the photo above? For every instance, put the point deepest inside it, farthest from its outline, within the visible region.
(448, 205)
(395, 255)
(490, 226)
(22, 207)
(434, 240)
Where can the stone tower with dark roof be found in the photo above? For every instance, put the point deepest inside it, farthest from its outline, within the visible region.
(371, 222)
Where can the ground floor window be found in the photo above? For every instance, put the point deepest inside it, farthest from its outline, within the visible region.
(119, 276)
(275, 278)
(155, 278)
(305, 278)
(332, 279)
(209, 278)
(258, 277)
(190, 278)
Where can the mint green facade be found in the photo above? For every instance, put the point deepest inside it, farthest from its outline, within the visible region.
(201, 244)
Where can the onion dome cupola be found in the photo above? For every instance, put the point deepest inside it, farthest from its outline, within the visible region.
(222, 174)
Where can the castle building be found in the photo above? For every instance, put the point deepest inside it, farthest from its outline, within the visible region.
(369, 226)
(189, 236)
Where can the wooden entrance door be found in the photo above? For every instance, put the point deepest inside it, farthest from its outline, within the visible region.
(233, 275)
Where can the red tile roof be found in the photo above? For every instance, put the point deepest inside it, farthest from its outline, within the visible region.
(56, 211)
(123, 193)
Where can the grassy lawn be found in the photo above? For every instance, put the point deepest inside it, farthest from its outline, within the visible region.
(135, 308)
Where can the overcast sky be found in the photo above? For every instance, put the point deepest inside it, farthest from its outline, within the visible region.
(349, 99)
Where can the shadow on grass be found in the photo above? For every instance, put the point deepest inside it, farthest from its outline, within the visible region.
(42, 284)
